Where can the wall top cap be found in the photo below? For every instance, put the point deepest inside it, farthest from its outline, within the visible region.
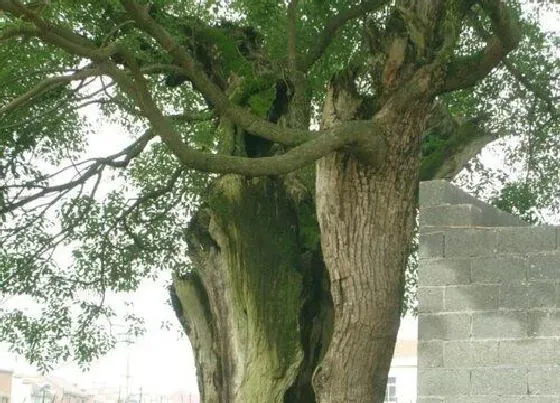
(444, 204)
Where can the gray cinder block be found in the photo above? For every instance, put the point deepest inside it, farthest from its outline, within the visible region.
(453, 326)
(544, 323)
(431, 245)
(522, 240)
(430, 354)
(470, 242)
(499, 381)
(453, 215)
(527, 351)
(496, 325)
(513, 296)
(543, 266)
(432, 272)
(542, 294)
(474, 297)
(544, 381)
(466, 353)
(430, 299)
(498, 269)
(443, 382)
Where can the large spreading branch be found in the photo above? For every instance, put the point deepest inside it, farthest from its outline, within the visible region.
(326, 141)
(542, 93)
(219, 100)
(78, 45)
(464, 72)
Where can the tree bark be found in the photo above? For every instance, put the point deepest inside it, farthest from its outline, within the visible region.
(254, 307)
(366, 219)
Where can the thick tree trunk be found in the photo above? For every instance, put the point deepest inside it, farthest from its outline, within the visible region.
(270, 319)
(365, 226)
(255, 305)
(365, 214)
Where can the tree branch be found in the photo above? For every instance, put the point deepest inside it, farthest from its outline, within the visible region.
(57, 35)
(316, 144)
(326, 141)
(464, 72)
(189, 117)
(95, 168)
(24, 30)
(448, 145)
(240, 116)
(292, 53)
(76, 44)
(334, 24)
(541, 93)
(47, 85)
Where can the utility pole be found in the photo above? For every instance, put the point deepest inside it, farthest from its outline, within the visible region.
(127, 381)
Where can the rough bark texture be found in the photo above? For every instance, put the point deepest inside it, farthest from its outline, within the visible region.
(256, 332)
(246, 256)
(365, 217)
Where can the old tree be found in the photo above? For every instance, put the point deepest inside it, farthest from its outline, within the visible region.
(274, 155)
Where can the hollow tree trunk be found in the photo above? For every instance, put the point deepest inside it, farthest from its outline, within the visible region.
(254, 307)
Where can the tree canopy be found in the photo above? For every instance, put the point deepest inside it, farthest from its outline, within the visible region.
(175, 74)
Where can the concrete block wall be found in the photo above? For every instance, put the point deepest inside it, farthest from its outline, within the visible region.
(488, 302)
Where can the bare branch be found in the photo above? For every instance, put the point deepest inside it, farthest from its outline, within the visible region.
(154, 194)
(95, 168)
(46, 85)
(129, 153)
(335, 23)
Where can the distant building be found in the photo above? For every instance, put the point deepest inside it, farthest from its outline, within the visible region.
(401, 385)
(117, 395)
(16, 388)
(5, 386)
